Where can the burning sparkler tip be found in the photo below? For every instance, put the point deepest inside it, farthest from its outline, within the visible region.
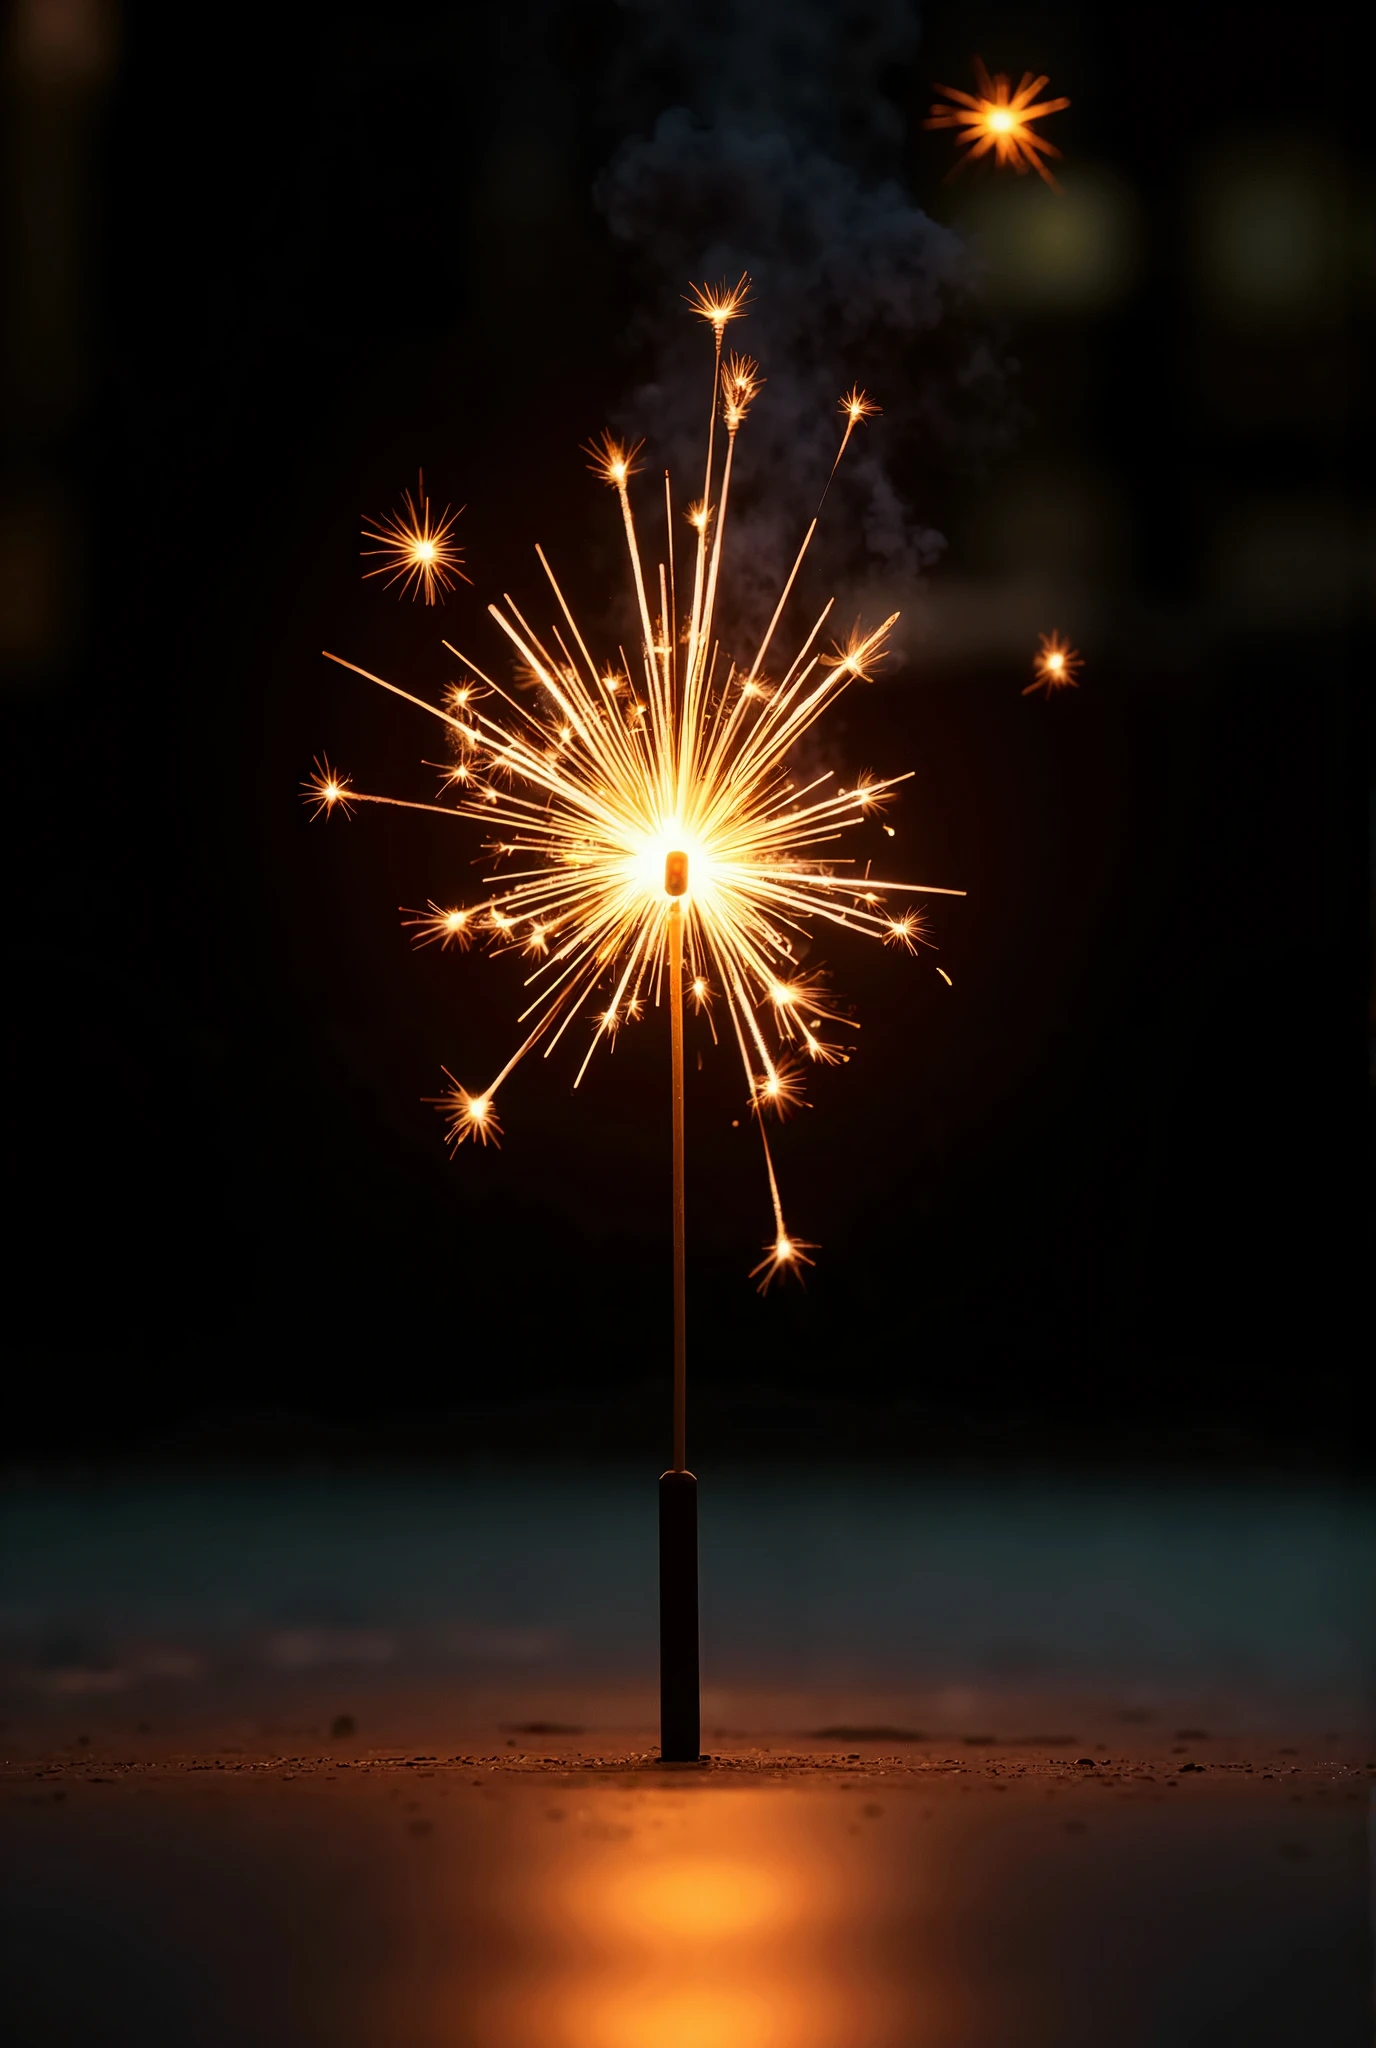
(741, 381)
(721, 302)
(613, 460)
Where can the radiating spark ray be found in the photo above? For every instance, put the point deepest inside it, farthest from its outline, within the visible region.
(420, 703)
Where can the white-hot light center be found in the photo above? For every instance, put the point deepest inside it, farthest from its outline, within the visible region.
(654, 870)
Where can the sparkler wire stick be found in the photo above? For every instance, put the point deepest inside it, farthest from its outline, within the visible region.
(675, 865)
(680, 1729)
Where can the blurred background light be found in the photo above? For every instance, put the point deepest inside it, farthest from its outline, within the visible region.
(37, 557)
(1286, 561)
(1269, 235)
(1062, 522)
(63, 43)
(1071, 251)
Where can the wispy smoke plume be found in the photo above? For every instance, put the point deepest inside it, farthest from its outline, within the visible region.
(778, 153)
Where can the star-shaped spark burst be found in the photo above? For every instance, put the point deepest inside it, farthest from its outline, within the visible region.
(1055, 666)
(325, 789)
(999, 119)
(856, 406)
(417, 552)
(641, 816)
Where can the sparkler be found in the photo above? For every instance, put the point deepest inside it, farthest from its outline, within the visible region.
(643, 822)
(999, 119)
(1055, 666)
(643, 817)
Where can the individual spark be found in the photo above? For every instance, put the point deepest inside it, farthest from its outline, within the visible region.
(793, 1018)
(780, 1090)
(871, 796)
(590, 771)
(783, 1260)
(467, 1116)
(417, 552)
(801, 1005)
(787, 1255)
(445, 927)
(459, 696)
(1000, 119)
(857, 656)
(856, 406)
(1055, 666)
(908, 931)
(325, 789)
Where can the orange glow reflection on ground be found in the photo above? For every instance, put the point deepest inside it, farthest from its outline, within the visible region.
(689, 2018)
(693, 1897)
(657, 1934)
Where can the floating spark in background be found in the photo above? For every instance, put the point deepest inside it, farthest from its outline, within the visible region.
(420, 555)
(625, 804)
(1056, 666)
(999, 120)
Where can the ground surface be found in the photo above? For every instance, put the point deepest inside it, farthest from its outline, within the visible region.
(365, 1759)
(555, 1888)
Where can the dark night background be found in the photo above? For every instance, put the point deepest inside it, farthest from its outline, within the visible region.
(1104, 1190)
